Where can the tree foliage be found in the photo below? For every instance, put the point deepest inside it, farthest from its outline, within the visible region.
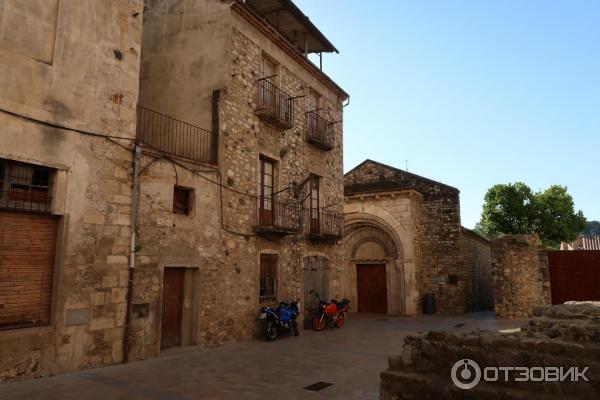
(515, 208)
(592, 228)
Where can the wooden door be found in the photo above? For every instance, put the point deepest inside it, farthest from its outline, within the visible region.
(265, 206)
(27, 249)
(372, 288)
(172, 307)
(316, 280)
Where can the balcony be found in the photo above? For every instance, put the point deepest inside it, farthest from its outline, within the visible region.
(325, 226)
(169, 135)
(319, 131)
(275, 106)
(278, 216)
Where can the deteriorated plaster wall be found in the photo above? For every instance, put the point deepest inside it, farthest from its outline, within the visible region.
(67, 73)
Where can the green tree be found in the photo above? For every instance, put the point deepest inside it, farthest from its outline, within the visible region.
(592, 228)
(515, 208)
(508, 209)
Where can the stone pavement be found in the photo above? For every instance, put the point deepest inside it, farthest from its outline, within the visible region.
(350, 358)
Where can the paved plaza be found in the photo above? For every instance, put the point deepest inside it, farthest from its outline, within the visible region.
(349, 358)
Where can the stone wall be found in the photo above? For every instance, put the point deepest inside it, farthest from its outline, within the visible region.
(558, 336)
(520, 275)
(478, 272)
(438, 237)
(217, 242)
(87, 80)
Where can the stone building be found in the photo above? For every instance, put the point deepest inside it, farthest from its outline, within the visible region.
(240, 177)
(402, 240)
(69, 87)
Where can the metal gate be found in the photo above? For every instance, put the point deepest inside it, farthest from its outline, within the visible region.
(316, 281)
(574, 275)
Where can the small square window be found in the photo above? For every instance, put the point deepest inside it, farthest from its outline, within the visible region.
(182, 200)
(453, 279)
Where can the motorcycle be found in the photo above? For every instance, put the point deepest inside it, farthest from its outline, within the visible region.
(330, 312)
(282, 318)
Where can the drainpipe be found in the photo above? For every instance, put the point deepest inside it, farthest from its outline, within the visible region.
(135, 197)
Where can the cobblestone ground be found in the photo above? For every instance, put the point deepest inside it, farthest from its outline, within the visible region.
(349, 358)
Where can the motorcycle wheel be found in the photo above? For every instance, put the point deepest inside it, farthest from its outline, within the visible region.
(270, 330)
(295, 330)
(319, 322)
(339, 322)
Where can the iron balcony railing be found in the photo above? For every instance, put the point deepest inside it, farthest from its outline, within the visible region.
(325, 224)
(320, 131)
(277, 213)
(172, 136)
(274, 105)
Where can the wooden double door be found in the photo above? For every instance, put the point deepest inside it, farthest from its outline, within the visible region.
(371, 286)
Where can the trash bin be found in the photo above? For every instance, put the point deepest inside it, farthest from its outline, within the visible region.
(429, 303)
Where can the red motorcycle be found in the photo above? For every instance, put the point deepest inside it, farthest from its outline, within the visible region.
(330, 312)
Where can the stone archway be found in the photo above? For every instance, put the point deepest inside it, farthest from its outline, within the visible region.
(374, 238)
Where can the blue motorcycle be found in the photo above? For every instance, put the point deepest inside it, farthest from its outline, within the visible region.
(280, 319)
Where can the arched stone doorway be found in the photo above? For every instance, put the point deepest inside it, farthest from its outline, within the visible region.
(376, 276)
(376, 246)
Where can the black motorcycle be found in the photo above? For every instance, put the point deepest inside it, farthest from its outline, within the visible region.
(282, 318)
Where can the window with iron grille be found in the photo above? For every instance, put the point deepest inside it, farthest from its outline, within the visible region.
(268, 278)
(182, 200)
(25, 186)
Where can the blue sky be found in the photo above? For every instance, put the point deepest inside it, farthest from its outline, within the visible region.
(471, 93)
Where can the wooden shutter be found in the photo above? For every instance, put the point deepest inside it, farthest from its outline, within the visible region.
(27, 249)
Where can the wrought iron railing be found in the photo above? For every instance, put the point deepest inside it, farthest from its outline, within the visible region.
(320, 130)
(172, 136)
(279, 213)
(325, 223)
(275, 105)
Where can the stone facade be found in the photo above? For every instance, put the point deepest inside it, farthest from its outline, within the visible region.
(60, 67)
(477, 255)
(520, 275)
(421, 218)
(214, 52)
(559, 336)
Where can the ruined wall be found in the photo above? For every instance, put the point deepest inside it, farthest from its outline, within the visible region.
(558, 336)
(81, 84)
(520, 275)
(439, 237)
(477, 255)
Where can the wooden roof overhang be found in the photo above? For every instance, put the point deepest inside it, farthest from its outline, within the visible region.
(291, 22)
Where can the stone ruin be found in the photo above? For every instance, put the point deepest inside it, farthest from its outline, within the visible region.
(566, 335)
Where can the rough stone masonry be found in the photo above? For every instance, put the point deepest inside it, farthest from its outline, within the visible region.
(566, 335)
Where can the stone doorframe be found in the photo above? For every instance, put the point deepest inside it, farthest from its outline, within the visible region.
(374, 236)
